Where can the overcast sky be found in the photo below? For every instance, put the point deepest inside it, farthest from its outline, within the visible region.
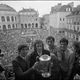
(43, 7)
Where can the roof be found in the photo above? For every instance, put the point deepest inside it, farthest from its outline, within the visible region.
(4, 7)
(28, 10)
(63, 8)
(60, 8)
(76, 11)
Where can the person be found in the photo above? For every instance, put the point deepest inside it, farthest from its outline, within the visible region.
(76, 63)
(20, 65)
(50, 40)
(2, 70)
(38, 51)
(65, 59)
(34, 56)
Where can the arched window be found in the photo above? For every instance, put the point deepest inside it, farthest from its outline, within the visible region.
(29, 25)
(16, 25)
(15, 18)
(2, 18)
(0, 26)
(25, 25)
(22, 26)
(8, 19)
(13, 26)
(12, 18)
(9, 26)
(32, 25)
(36, 25)
(4, 27)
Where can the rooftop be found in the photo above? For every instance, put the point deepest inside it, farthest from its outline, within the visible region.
(4, 7)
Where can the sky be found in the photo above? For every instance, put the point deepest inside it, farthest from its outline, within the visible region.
(43, 7)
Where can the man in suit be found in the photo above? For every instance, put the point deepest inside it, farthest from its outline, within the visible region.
(20, 65)
(50, 40)
(65, 57)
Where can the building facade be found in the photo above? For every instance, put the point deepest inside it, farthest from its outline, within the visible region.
(8, 17)
(58, 16)
(73, 25)
(28, 18)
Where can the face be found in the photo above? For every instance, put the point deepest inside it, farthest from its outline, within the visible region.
(50, 42)
(24, 52)
(63, 45)
(39, 47)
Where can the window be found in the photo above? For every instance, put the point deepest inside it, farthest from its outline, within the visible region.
(2, 18)
(22, 26)
(9, 26)
(25, 25)
(77, 28)
(0, 26)
(60, 19)
(8, 19)
(4, 27)
(16, 25)
(13, 26)
(36, 25)
(77, 23)
(74, 28)
(15, 18)
(41, 27)
(12, 18)
(36, 19)
(29, 25)
(63, 19)
(74, 23)
(32, 25)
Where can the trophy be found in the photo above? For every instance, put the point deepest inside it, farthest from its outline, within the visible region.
(45, 62)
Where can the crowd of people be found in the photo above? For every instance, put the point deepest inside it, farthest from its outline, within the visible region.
(64, 63)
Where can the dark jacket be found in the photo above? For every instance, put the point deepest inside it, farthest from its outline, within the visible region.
(33, 57)
(21, 70)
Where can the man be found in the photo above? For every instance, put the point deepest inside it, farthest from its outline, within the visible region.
(65, 59)
(20, 65)
(50, 42)
(76, 63)
(53, 52)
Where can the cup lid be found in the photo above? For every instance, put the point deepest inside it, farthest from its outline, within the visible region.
(45, 58)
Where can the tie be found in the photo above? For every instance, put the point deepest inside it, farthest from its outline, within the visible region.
(63, 55)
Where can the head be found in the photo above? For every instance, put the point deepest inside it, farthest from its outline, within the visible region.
(23, 50)
(50, 41)
(76, 46)
(63, 44)
(38, 45)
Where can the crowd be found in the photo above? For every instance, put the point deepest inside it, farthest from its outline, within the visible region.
(64, 62)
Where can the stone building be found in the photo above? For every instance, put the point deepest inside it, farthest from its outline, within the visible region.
(8, 17)
(58, 16)
(72, 30)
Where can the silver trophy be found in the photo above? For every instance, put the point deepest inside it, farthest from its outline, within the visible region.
(45, 62)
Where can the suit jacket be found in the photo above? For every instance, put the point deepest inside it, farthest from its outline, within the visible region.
(21, 70)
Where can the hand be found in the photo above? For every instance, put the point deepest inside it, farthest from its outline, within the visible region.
(36, 65)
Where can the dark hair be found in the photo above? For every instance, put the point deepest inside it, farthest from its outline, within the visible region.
(64, 40)
(49, 38)
(38, 42)
(20, 47)
(76, 45)
(0, 50)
